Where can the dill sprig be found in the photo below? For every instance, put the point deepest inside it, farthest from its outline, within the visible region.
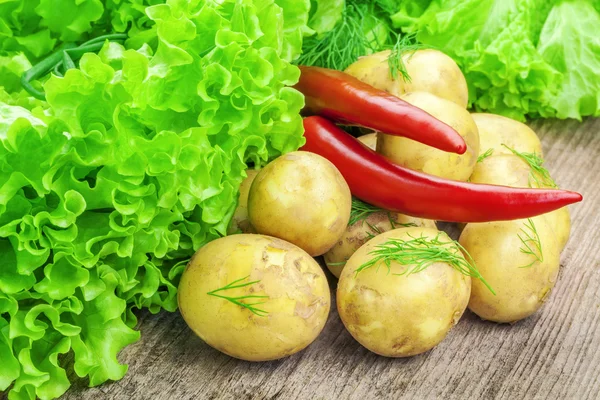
(364, 28)
(531, 243)
(485, 155)
(361, 211)
(402, 45)
(537, 173)
(344, 44)
(418, 253)
(240, 300)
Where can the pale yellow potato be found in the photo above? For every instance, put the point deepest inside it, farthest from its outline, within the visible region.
(420, 157)
(374, 70)
(301, 197)
(503, 169)
(359, 233)
(240, 221)
(401, 315)
(560, 223)
(511, 170)
(430, 71)
(495, 130)
(295, 309)
(521, 281)
(370, 140)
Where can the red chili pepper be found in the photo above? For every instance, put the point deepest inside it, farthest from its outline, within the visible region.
(374, 179)
(343, 98)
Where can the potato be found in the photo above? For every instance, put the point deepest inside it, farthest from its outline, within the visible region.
(521, 281)
(374, 70)
(511, 170)
(420, 157)
(239, 221)
(560, 223)
(430, 71)
(504, 169)
(495, 130)
(294, 310)
(370, 140)
(402, 315)
(358, 233)
(301, 197)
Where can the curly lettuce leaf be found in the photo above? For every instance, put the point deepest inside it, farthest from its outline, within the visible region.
(132, 164)
(570, 42)
(532, 57)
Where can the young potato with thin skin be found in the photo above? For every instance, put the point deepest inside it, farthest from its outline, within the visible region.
(495, 130)
(420, 157)
(430, 71)
(240, 221)
(401, 315)
(295, 308)
(361, 231)
(512, 170)
(301, 197)
(370, 140)
(521, 281)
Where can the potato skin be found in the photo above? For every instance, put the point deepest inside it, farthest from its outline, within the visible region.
(434, 72)
(358, 234)
(370, 140)
(420, 157)
(298, 303)
(511, 170)
(495, 130)
(374, 70)
(301, 197)
(240, 220)
(520, 291)
(430, 71)
(400, 316)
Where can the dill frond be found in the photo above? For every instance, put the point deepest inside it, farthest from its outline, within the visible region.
(538, 175)
(485, 155)
(531, 243)
(241, 300)
(418, 253)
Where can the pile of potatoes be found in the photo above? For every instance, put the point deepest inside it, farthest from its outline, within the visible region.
(260, 295)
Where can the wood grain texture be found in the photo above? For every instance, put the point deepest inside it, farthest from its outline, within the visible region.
(554, 354)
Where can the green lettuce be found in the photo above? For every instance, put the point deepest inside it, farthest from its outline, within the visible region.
(37, 27)
(132, 164)
(531, 57)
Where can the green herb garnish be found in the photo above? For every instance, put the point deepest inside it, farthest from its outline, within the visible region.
(485, 155)
(239, 300)
(403, 44)
(531, 242)
(538, 175)
(364, 28)
(342, 45)
(418, 253)
(361, 211)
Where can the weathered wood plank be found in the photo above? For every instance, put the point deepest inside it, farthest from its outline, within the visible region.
(554, 354)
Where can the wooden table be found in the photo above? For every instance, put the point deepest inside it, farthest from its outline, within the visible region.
(554, 354)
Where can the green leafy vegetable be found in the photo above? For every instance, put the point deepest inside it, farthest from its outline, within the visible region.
(532, 57)
(132, 164)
